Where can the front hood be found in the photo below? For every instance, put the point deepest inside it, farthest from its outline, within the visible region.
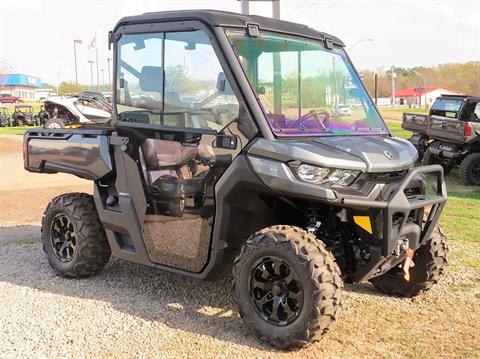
(364, 153)
(380, 154)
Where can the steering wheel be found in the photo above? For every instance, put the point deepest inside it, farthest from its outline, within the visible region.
(315, 115)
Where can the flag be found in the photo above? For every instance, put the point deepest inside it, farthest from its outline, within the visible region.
(93, 44)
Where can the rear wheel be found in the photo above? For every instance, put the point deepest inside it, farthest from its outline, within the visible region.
(53, 123)
(429, 159)
(17, 122)
(430, 264)
(287, 286)
(73, 237)
(470, 170)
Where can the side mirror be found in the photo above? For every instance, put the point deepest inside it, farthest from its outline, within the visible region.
(223, 87)
(226, 141)
(151, 79)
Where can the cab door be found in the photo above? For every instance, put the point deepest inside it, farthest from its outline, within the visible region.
(182, 120)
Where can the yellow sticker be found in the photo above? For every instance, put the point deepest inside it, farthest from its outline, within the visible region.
(364, 222)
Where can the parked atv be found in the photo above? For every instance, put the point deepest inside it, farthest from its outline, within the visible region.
(449, 135)
(42, 116)
(292, 198)
(23, 115)
(4, 117)
(83, 109)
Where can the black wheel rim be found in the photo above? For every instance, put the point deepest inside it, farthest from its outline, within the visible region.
(276, 291)
(62, 236)
(475, 173)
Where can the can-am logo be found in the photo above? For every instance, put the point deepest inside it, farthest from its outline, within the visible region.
(343, 148)
(388, 154)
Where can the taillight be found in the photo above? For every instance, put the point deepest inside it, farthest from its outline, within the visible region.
(468, 129)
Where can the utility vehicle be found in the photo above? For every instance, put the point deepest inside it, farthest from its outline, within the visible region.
(4, 117)
(233, 159)
(23, 115)
(85, 108)
(449, 135)
(41, 116)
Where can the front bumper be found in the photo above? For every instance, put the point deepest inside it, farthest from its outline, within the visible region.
(399, 205)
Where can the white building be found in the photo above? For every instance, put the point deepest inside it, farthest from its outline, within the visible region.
(415, 96)
(20, 85)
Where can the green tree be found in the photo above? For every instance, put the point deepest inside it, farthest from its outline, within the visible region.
(70, 88)
(464, 78)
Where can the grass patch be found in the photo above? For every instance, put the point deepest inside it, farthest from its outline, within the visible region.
(407, 109)
(20, 130)
(397, 130)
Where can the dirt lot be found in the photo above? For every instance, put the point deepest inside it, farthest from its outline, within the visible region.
(132, 311)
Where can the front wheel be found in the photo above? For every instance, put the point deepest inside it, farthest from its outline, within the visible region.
(73, 236)
(53, 123)
(430, 264)
(287, 286)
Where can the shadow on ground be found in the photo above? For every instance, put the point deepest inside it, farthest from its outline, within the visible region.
(205, 308)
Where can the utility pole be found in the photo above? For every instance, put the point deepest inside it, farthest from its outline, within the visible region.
(276, 9)
(96, 54)
(75, 42)
(109, 73)
(393, 75)
(91, 62)
(277, 65)
(245, 7)
(103, 78)
(424, 89)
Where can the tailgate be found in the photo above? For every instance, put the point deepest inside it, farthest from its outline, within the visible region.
(415, 122)
(447, 129)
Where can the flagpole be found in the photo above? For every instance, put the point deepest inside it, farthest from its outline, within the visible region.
(96, 54)
(75, 57)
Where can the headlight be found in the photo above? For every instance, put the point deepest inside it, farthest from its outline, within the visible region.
(321, 175)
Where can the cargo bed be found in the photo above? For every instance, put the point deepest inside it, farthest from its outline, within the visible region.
(82, 152)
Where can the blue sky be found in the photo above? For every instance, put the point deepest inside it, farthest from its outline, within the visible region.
(36, 37)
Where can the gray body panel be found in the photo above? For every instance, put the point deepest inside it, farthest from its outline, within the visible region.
(364, 153)
(415, 122)
(83, 154)
(447, 129)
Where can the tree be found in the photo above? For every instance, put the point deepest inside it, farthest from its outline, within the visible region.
(70, 88)
(464, 78)
(5, 67)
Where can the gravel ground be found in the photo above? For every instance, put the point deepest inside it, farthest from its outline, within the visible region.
(132, 311)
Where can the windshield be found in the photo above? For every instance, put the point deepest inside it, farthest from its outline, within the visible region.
(305, 89)
(446, 107)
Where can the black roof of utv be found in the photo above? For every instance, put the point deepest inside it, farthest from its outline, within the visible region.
(229, 19)
(464, 97)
